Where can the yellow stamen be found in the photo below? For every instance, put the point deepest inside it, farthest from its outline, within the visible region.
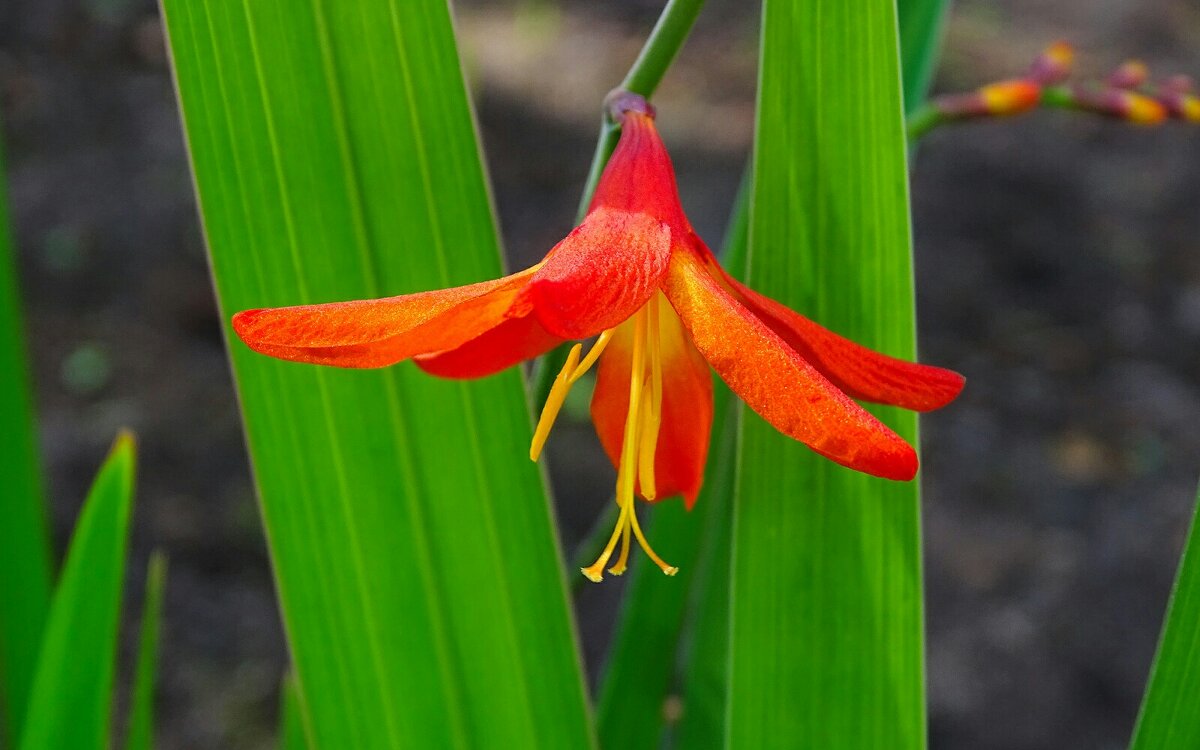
(573, 369)
(637, 451)
(622, 559)
(647, 440)
(592, 355)
(637, 531)
(554, 402)
(594, 572)
(652, 416)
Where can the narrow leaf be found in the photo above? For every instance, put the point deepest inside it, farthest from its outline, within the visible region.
(417, 566)
(25, 568)
(826, 641)
(291, 718)
(141, 713)
(922, 25)
(1168, 718)
(70, 703)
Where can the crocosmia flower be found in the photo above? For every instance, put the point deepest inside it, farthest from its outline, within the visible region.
(635, 276)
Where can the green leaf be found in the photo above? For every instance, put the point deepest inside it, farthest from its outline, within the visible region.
(826, 639)
(70, 703)
(141, 713)
(25, 568)
(291, 718)
(922, 25)
(415, 555)
(704, 670)
(1168, 718)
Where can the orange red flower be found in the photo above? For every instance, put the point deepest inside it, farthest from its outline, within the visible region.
(635, 275)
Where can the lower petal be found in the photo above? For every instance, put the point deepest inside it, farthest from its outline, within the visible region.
(513, 341)
(381, 332)
(687, 409)
(858, 371)
(777, 382)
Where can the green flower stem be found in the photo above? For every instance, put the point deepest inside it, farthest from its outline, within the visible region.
(1059, 96)
(925, 118)
(643, 78)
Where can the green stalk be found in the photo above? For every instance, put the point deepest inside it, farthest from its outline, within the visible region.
(925, 118)
(643, 78)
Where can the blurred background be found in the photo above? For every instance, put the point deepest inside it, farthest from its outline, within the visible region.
(1058, 267)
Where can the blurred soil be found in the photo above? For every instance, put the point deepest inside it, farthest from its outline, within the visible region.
(1057, 264)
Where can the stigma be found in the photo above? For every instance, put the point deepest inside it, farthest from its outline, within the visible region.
(635, 470)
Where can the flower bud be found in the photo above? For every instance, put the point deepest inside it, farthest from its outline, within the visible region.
(1010, 97)
(1053, 65)
(1134, 107)
(1182, 105)
(1130, 75)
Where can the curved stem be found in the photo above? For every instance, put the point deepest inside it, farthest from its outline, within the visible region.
(923, 119)
(643, 78)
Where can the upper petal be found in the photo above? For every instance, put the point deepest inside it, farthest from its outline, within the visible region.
(380, 332)
(858, 371)
(687, 409)
(639, 176)
(601, 273)
(776, 381)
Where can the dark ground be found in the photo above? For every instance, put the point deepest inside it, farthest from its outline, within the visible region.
(1057, 268)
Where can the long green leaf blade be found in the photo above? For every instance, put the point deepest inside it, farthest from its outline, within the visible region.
(291, 718)
(1169, 718)
(922, 25)
(826, 640)
(414, 551)
(71, 700)
(141, 713)
(25, 569)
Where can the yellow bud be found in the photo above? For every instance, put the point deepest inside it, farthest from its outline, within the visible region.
(1142, 109)
(1189, 108)
(1061, 53)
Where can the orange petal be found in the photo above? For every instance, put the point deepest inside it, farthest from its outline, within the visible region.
(858, 371)
(601, 273)
(687, 409)
(513, 341)
(380, 332)
(776, 381)
(639, 177)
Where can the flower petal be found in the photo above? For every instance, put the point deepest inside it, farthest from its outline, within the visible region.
(381, 332)
(776, 381)
(513, 341)
(687, 409)
(601, 273)
(858, 371)
(639, 176)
